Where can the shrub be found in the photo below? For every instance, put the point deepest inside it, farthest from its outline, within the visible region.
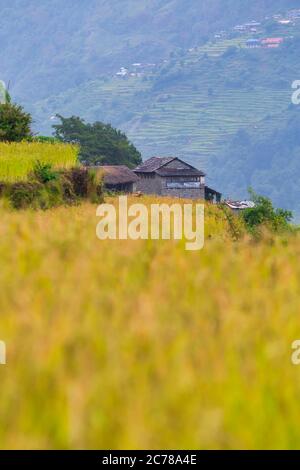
(87, 183)
(24, 195)
(47, 188)
(43, 172)
(35, 195)
(78, 177)
(14, 123)
(265, 215)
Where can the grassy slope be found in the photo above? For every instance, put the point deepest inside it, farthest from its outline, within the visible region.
(142, 344)
(17, 160)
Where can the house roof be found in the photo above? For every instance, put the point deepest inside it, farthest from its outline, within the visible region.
(153, 164)
(272, 41)
(118, 174)
(240, 205)
(158, 165)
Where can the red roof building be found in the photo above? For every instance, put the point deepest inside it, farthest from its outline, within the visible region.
(272, 42)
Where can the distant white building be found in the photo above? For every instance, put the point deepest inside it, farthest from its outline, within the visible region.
(284, 22)
(240, 28)
(122, 72)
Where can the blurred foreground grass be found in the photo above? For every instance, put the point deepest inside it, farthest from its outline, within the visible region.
(143, 344)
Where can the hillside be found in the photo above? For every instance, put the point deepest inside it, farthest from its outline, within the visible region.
(55, 45)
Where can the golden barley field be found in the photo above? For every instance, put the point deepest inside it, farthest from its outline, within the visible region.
(17, 159)
(141, 344)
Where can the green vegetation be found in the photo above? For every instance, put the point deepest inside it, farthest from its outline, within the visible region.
(43, 172)
(264, 215)
(17, 160)
(100, 144)
(47, 188)
(15, 123)
(269, 163)
(45, 139)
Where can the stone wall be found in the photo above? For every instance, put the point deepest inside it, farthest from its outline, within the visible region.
(150, 185)
(158, 186)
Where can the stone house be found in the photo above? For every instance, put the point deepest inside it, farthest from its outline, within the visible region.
(170, 176)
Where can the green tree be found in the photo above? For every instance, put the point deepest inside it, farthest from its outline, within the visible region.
(15, 123)
(100, 144)
(264, 214)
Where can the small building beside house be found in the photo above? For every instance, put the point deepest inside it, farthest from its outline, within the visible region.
(171, 176)
(238, 206)
(119, 178)
(212, 195)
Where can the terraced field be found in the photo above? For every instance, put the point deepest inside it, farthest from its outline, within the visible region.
(204, 122)
(94, 100)
(218, 47)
